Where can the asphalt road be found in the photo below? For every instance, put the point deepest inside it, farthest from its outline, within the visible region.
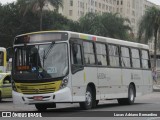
(149, 103)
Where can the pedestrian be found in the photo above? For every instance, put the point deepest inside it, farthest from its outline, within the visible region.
(154, 75)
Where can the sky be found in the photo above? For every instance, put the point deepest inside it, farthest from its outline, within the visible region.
(8, 1)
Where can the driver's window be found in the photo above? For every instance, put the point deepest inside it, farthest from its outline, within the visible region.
(7, 80)
(76, 54)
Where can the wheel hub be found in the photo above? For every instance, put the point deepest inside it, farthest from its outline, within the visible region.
(88, 98)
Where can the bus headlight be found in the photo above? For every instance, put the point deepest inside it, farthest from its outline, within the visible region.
(64, 82)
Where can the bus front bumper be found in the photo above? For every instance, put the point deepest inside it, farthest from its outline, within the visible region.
(61, 96)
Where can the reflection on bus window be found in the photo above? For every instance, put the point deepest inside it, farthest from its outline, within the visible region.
(76, 53)
(47, 61)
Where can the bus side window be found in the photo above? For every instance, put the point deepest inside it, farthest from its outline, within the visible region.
(101, 54)
(135, 58)
(125, 57)
(114, 55)
(145, 60)
(89, 53)
(76, 54)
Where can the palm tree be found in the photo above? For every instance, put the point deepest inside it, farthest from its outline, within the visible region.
(38, 5)
(114, 26)
(150, 27)
(107, 25)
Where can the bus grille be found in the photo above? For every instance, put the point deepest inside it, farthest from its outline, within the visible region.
(38, 88)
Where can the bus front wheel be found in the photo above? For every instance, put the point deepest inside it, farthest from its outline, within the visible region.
(131, 97)
(88, 99)
(40, 107)
(44, 106)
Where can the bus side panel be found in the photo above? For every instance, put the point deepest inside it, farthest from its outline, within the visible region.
(126, 79)
(110, 83)
(147, 81)
(91, 77)
(116, 89)
(103, 82)
(133, 76)
(80, 81)
(78, 86)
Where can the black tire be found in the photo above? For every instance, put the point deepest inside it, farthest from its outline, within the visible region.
(131, 97)
(43, 107)
(88, 104)
(97, 101)
(40, 107)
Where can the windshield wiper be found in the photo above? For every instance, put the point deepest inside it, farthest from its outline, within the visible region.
(48, 51)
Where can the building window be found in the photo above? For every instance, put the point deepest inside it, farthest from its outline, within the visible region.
(117, 10)
(107, 7)
(71, 2)
(70, 12)
(121, 10)
(99, 5)
(95, 4)
(92, 3)
(118, 2)
(103, 6)
(110, 9)
(121, 2)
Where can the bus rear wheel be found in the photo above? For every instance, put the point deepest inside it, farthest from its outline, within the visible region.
(88, 99)
(131, 97)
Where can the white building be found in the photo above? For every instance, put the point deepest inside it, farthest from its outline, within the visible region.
(74, 9)
(131, 9)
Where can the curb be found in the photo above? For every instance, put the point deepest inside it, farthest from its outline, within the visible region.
(156, 88)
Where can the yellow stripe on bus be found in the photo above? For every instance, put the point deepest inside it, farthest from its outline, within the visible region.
(5, 59)
(38, 88)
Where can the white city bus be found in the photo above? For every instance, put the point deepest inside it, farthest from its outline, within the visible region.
(67, 67)
(3, 59)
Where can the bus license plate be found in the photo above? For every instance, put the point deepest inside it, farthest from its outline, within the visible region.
(38, 98)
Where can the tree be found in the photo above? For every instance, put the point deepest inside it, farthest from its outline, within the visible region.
(112, 25)
(150, 27)
(38, 5)
(13, 23)
(107, 25)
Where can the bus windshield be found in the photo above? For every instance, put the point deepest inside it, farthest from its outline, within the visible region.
(41, 61)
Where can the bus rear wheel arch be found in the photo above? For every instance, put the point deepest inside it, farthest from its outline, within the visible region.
(131, 96)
